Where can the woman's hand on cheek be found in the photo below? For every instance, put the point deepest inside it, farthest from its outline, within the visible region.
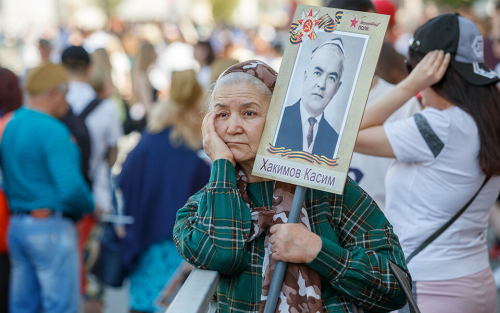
(213, 145)
(294, 243)
(428, 71)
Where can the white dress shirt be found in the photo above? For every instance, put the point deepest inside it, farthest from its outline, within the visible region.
(304, 118)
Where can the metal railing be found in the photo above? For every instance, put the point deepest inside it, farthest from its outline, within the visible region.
(195, 296)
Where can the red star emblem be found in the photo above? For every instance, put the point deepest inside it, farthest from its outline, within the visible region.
(354, 22)
(308, 25)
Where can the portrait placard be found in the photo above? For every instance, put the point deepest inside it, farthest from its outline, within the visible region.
(319, 98)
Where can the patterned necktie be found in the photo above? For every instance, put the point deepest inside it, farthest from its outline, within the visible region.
(310, 133)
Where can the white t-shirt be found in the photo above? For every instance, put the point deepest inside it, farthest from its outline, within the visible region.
(369, 171)
(104, 129)
(437, 172)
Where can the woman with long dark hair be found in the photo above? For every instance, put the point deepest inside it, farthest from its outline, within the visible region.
(444, 156)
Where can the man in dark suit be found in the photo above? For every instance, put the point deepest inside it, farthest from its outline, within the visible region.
(303, 125)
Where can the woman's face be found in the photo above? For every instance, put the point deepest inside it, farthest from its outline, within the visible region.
(241, 112)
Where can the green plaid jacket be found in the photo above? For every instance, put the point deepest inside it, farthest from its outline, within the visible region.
(212, 229)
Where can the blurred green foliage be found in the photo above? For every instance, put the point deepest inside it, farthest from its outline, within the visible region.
(222, 10)
(455, 4)
(109, 6)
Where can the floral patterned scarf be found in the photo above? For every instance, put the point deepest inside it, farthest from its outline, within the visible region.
(301, 289)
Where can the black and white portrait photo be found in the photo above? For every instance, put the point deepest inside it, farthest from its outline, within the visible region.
(319, 94)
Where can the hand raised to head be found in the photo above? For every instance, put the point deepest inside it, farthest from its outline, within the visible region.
(429, 70)
(213, 145)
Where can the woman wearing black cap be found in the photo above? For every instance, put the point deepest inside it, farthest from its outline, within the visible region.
(444, 156)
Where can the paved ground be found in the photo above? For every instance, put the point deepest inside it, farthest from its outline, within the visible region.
(494, 265)
(116, 299)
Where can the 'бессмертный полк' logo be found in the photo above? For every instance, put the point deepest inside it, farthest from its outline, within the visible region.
(363, 25)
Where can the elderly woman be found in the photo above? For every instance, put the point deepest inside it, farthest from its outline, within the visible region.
(339, 254)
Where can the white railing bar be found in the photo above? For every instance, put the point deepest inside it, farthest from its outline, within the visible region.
(196, 293)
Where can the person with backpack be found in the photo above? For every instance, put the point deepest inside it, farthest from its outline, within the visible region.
(96, 126)
(100, 120)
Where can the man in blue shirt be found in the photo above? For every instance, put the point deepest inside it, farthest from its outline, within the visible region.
(46, 192)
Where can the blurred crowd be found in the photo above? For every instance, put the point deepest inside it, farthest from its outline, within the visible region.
(135, 93)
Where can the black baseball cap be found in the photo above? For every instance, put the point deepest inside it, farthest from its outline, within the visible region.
(462, 39)
(75, 56)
